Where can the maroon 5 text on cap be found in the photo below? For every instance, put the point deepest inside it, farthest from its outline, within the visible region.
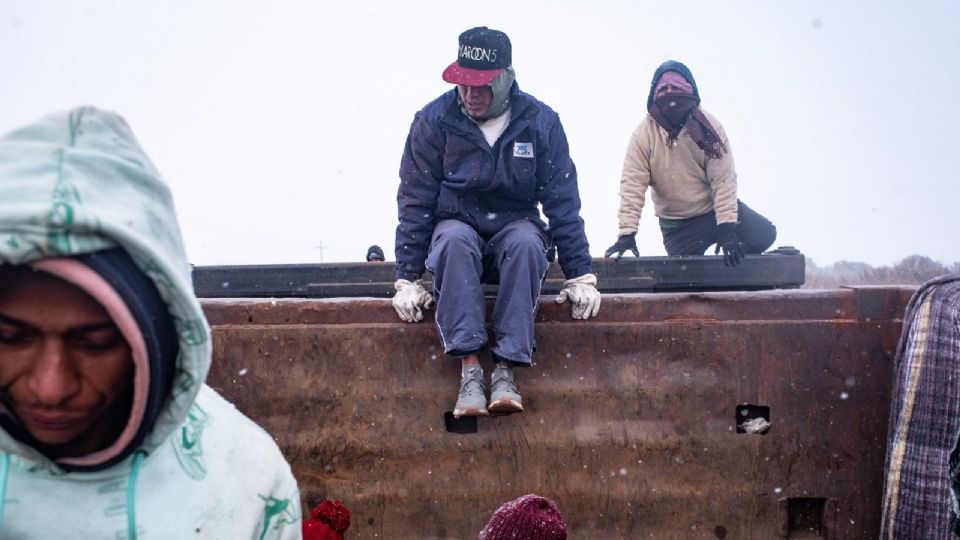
(482, 55)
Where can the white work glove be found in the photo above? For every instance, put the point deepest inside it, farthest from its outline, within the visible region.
(410, 298)
(583, 296)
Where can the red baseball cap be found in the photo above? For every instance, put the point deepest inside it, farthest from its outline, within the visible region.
(482, 55)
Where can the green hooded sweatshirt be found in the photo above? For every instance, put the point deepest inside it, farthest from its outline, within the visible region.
(75, 183)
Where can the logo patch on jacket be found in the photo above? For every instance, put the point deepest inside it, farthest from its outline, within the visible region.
(523, 149)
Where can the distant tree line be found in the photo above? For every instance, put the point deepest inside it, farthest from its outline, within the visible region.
(912, 270)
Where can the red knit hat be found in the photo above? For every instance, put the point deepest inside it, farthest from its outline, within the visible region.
(327, 521)
(530, 517)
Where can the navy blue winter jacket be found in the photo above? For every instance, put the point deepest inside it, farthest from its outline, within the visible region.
(448, 171)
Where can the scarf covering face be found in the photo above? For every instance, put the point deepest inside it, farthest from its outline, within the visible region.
(674, 110)
(501, 96)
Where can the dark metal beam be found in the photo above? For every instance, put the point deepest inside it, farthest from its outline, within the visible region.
(780, 269)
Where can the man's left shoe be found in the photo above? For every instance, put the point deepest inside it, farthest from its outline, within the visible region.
(504, 396)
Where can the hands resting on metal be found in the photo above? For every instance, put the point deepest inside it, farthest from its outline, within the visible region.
(411, 298)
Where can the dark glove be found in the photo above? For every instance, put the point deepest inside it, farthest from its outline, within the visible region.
(627, 242)
(732, 248)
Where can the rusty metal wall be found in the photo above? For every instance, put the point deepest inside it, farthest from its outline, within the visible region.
(630, 423)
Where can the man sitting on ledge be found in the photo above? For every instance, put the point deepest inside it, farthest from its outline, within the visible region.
(477, 162)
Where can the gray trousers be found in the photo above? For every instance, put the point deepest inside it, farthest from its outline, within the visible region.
(461, 261)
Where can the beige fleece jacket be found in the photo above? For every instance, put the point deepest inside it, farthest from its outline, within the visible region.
(685, 182)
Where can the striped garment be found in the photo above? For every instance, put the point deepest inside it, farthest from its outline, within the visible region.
(920, 499)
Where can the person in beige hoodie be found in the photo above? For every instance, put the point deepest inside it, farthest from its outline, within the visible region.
(681, 152)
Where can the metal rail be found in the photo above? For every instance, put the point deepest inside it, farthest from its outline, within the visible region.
(779, 269)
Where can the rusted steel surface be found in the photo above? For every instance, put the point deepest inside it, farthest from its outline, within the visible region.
(630, 423)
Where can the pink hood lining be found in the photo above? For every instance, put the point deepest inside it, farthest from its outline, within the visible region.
(93, 284)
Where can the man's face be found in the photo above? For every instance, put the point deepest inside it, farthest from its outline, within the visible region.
(65, 370)
(476, 99)
(668, 89)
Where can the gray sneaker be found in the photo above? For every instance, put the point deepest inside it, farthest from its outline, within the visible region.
(471, 401)
(504, 396)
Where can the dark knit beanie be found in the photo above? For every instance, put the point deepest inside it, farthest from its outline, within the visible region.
(530, 517)
(375, 253)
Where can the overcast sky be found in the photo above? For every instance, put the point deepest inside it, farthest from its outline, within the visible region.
(280, 125)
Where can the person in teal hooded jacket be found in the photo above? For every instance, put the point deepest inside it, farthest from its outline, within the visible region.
(107, 429)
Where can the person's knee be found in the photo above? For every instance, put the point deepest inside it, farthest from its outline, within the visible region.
(525, 239)
(529, 249)
(526, 243)
(456, 238)
(770, 238)
(762, 239)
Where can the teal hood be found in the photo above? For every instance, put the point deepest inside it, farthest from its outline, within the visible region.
(78, 182)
